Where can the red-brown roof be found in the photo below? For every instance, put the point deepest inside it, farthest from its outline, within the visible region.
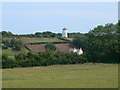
(36, 48)
(62, 47)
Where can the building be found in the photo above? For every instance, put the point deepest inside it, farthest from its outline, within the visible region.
(60, 47)
(64, 33)
(78, 51)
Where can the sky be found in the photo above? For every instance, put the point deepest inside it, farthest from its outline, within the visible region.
(119, 10)
(31, 17)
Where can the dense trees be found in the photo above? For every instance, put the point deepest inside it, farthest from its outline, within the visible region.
(100, 44)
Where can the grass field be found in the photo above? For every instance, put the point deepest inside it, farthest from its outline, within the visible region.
(62, 76)
(69, 39)
(9, 51)
(37, 40)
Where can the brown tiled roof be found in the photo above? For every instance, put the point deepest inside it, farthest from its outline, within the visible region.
(36, 48)
(62, 47)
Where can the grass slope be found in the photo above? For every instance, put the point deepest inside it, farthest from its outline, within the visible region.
(37, 40)
(9, 51)
(62, 76)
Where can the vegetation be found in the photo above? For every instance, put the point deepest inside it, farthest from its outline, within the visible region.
(50, 46)
(41, 59)
(46, 34)
(14, 44)
(100, 44)
(62, 76)
(10, 52)
(35, 40)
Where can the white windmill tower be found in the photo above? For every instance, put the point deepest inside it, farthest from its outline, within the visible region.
(64, 33)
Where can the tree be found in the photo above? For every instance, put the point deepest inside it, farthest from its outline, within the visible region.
(50, 47)
(18, 45)
(103, 44)
(100, 44)
(80, 41)
(6, 34)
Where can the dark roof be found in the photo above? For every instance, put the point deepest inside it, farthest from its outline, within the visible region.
(64, 28)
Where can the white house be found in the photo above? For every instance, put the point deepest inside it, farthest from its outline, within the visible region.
(78, 51)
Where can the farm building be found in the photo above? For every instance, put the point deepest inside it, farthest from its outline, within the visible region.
(61, 47)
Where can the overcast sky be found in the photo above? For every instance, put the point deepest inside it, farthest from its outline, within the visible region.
(31, 17)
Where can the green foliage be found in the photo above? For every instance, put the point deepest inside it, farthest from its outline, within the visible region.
(73, 35)
(4, 47)
(6, 43)
(46, 34)
(80, 41)
(100, 44)
(42, 59)
(4, 57)
(8, 62)
(50, 47)
(6, 34)
(14, 44)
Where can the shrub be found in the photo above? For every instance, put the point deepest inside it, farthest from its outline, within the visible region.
(50, 47)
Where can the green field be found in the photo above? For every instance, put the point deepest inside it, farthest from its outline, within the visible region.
(69, 39)
(37, 40)
(62, 76)
(9, 51)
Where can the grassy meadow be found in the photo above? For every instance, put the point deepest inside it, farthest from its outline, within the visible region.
(37, 40)
(62, 76)
(10, 52)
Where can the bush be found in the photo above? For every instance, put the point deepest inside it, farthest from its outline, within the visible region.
(50, 47)
(4, 47)
(14, 44)
(8, 63)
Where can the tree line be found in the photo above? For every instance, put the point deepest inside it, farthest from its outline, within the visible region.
(102, 44)
(41, 59)
(46, 34)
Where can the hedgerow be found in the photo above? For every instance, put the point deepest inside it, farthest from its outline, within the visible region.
(42, 59)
